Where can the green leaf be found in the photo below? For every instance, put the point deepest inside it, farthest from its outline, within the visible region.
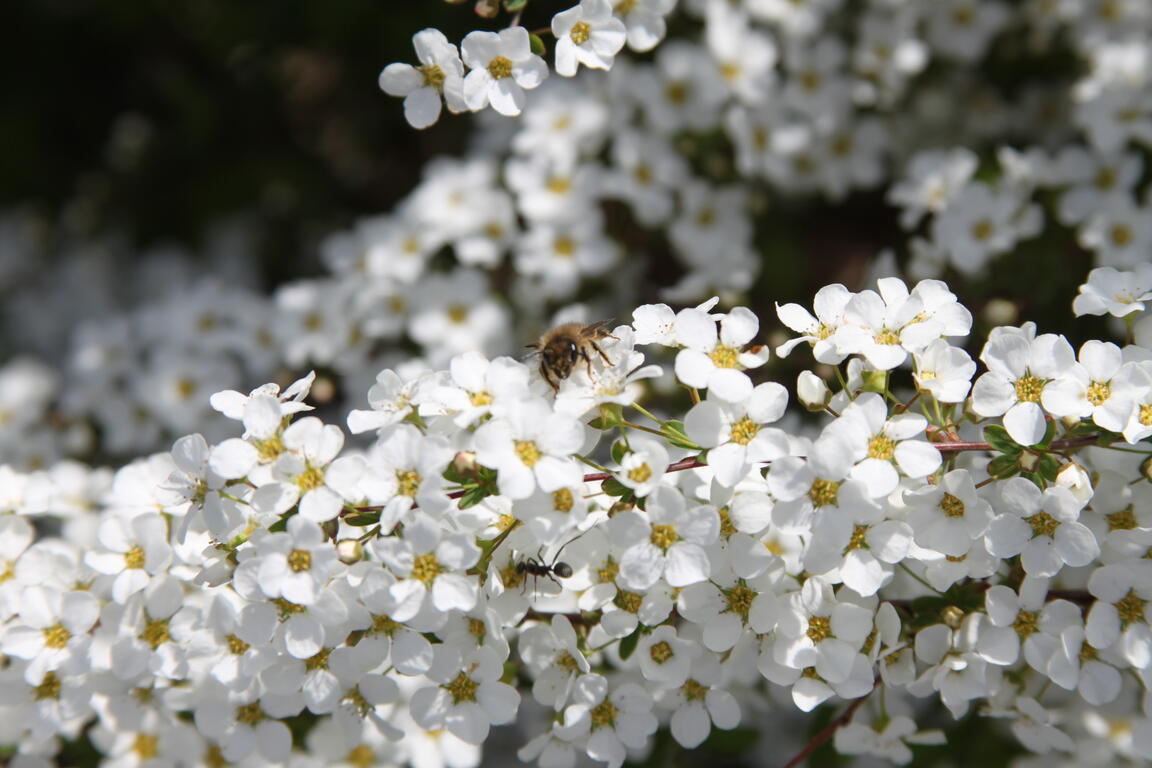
(473, 496)
(614, 487)
(537, 45)
(363, 519)
(628, 644)
(281, 524)
(1082, 429)
(997, 437)
(674, 431)
(618, 451)
(1048, 467)
(1003, 466)
(734, 742)
(514, 5)
(1049, 434)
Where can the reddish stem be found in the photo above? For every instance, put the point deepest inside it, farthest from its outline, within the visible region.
(825, 734)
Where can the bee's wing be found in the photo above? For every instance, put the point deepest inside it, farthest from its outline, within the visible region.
(599, 329)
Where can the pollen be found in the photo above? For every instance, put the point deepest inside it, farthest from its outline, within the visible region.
(1124, 520)
(559, 185)
(134, 558)
(705, 218)
(1027, 623)
(824, 492)
(694, 691)
(1099, 392)
(408, 482)
(564, 246)
(156, 633)
(888, 337)
(319, 660)
(580, 32)
(744, 431)
(982, 230)
(1029, 388)
(1144, 416)
(724, 356)
(383, 624)
(457, 313)
(49, 687)
(628, 601)
(859, 538)
(727, 527)
(661, 652)
(676, 92)
(249, 714)
(463, 688)
(310, 479)
(739, 599)
(477, 628)
(882, 447)
(608, 572)
(236, 646)
(185, 388)
(1043, 524)
(563, 500)
(952, 506)
(56, 636)
(603, 715)
(527, 452)
(1121, 235)
(269, 449)
(478, 399)
(145, 746)
(500, 67)
(286, 608)
(426, 568)
(664, 536)
(640, 474)
(433, 76)
(361, 757)
(1131, 609)
(643, 174)
(300, 560)
(819, 628)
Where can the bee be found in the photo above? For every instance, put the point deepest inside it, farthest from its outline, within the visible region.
(562, 348)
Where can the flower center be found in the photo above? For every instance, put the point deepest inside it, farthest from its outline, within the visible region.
(640, 474)
(607, 573)
(527, 452)
(744, 431)
(145, 746)
(319, 660)
(236, 646)
(628, 601)
(724, 356)
(249, 714)
(1131, 609)
(49, 687)
(564, 246)
(603, 715)
(882, 447)
(408, 482)
(156, 633)
(1121, 235)
(952, 506)
(739, 600)
(1043, 524)
(310, 479)
(463, 688)
(824, 492)
(819, 628)
(1145, 415)
(982, 230)
(500, 67)
(664, 536)
(887, 336)
(563, 500)
(478, 399)
(1028, 388)
(56, 636)
(457, 313)
(269, 449)
(426, 568)
(134, 558)
(859, 538)
(580, 32)
(1124, 520)
(361, 757)
(300, 560)
(1027, 622)
(433, 76)
(676, 92)
(661, 652)
(1099, 391)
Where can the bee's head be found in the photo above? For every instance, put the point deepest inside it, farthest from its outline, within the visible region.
(560, 358)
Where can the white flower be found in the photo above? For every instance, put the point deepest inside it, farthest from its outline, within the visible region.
(469, 697)
(699, 703)
(295, 564)
(932, 180)
(889, 742)
(1108, 290)
(551, 651)
(644, 20)
(1085, 389)
(1121, 615)
(734, 431)
(667, 540)
(502, 65)
(829, 305)
(440, 74)
(1041, 527)
(1019, 368)
(531, 446)
(944, 371)
(717, 360)
(643, 466)
(587, 34)
(879, 446)
(611, 721)
(817, 630)
(949, 515)
(309, 473)
(136, 550)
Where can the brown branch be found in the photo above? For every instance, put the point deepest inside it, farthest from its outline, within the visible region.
(825, 734)
(1057, 445)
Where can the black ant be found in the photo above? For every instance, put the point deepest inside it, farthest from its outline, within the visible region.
(537, 568)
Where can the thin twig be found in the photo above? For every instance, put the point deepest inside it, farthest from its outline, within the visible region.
(844, 718)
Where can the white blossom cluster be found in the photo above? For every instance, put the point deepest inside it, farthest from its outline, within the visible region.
(394, 603)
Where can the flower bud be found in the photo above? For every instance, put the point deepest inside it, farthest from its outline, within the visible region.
(952, 617)
(812, 392)
(1146, 468)
(465, 463)
(1073, 477)
(349, 551)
